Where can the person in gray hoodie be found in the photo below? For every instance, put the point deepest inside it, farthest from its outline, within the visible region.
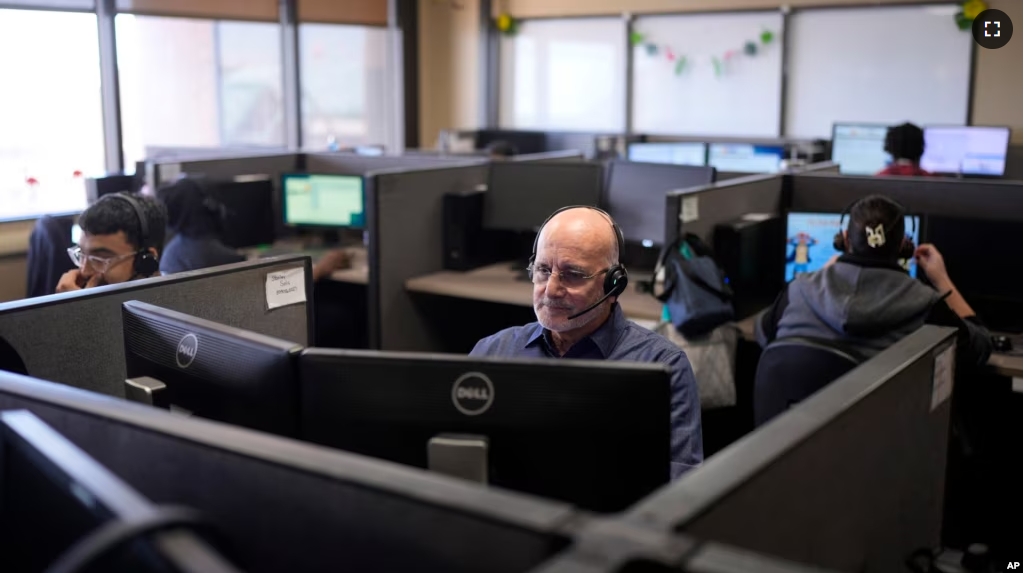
(863, 300)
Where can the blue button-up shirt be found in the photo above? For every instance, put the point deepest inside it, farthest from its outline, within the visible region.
(620, 339)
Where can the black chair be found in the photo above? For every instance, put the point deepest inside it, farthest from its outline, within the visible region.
(48, 254)
(791, 369)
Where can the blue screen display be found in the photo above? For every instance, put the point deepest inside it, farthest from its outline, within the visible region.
(809, 242)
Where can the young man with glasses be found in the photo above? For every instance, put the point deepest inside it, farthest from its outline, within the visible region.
(577, 317)
(113, 240)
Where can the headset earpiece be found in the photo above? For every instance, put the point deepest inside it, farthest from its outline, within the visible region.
(839, 242)
(615, 281)
(145, 263)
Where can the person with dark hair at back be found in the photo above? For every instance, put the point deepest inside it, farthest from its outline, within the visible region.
(122, 238)
(501, 150)
(865, 301)
(905, 143)
(196, 219)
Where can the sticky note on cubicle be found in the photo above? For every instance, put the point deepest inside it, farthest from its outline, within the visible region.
(691, 210)
(942, 377)
(286, 287)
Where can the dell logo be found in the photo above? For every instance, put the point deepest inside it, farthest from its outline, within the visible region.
(188, 346)
(473, 393)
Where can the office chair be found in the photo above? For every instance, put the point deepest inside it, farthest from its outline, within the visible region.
(791, 369)
(48, 254)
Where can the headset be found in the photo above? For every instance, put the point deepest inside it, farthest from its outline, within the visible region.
(907, 247)
(145, 263)
(615, 280)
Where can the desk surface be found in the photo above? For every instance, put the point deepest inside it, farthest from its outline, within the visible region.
(498, 283)
(357, 273)
(1003, 364)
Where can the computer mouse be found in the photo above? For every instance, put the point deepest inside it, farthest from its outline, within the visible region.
(1001, 343)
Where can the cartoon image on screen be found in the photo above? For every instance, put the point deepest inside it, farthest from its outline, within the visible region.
(809, 242)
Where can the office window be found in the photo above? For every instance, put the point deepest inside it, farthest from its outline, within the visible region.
(51, 120)
(189, 83)
(54, 4)
(342, 76)
(564, 75)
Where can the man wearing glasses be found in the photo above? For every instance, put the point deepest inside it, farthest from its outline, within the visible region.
(116, 246)
(576, 279)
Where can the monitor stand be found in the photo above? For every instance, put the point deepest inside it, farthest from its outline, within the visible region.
(459, 455)
(146, 390)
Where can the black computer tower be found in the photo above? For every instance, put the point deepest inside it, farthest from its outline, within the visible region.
(463, 230)
(750, 251)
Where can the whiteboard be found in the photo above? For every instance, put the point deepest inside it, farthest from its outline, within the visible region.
(564, 74)
(742, 100)
(878, 65)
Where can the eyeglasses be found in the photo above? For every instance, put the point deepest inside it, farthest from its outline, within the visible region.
(570, 279)
(98, 264)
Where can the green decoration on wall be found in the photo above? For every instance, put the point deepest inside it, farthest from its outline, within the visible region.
(636, 38)
(718, 65)
(680, 65)
(750, 49)
(767, 36)
(652, 49)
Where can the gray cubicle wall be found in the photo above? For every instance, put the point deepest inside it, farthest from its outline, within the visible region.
(851, 478)
(992, 199)
(283, 505)
(352, 164)
(566, 155)
(75, 338)
(405, 224)
(721, 202)
(823, 167)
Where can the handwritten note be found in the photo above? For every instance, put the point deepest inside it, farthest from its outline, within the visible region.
(286, 287)
(691, 209)
(942, 377)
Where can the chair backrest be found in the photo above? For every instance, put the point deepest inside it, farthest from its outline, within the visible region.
(47, 254)
(791, 369)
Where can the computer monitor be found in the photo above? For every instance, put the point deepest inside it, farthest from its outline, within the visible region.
(53, 495)
(521, 195)
(76, 234)
(677, 152)
(595, 434)
(966, 150)
(809, 238)
(326, 201)
(859, 148)
(745, 158)
(198, 367)
(248, 212)
(635, 196)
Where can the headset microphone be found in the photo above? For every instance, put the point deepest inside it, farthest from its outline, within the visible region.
(592, 307)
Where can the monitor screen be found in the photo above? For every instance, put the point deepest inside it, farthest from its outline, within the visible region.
(520, 196)
(745, 158)
(248, 212)
(636, 196)
(211, 370)
(323, 200)
(809, 241)
(76, 234)
(973, 150)
(678, 153)
(859, 148)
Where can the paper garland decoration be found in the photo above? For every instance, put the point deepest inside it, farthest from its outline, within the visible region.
(682, 61)
(506, 24)
(969, 10)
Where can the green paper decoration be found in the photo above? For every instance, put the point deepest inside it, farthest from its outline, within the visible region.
(680, 65)
(652, 49)
(636, 38)
(750, 49)
(718, 65)
(767, 36)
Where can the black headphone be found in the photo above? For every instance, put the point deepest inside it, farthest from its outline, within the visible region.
(616, 279)
(144, 264)
(907, 247)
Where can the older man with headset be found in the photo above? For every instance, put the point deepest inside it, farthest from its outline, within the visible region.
(122, 236)
(577, 278)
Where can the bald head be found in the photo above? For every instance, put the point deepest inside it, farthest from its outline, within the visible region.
(585, 233)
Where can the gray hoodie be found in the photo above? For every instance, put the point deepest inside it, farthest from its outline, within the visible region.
(866, 306)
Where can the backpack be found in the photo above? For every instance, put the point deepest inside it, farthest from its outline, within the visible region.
(696, 294)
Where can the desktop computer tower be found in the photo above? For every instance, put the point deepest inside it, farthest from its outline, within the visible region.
(96, 187)
(751, 253)
(463, 229)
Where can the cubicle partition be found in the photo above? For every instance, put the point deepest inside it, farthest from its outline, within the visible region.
(405, 224)
(851, 478)
(566, 155)
(353, 164)
(698, 209)
(75, 338)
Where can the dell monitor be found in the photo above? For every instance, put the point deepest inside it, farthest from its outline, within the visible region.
(323, 201)
(198, 367)
(248, 219)
(859, 148)
(809, 238)
(635, 196)
(970, 150)
(745, 158)
(520, 196)
(677, 152)
(53, 497)
(594, 434)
